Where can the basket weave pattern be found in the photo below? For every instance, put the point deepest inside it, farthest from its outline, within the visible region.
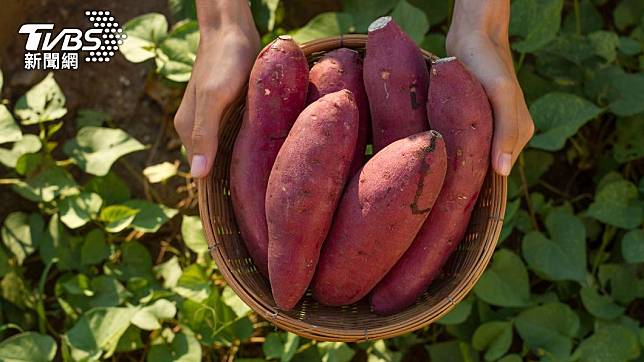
(356, 322)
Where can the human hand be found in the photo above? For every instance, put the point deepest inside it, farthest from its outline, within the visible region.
(225, 56)
(478, 37)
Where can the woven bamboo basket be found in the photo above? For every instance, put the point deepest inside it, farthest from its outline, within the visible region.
(350, 323)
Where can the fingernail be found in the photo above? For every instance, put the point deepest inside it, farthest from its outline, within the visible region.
(198, 167)
(505, 164)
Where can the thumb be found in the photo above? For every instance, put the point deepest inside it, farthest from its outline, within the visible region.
(503, 101)
(205, 134)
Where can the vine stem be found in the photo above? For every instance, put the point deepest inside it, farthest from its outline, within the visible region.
(521, 60)
(40, 306)
(577, 16)
(9, 181)
(609, 233)
(526, 194)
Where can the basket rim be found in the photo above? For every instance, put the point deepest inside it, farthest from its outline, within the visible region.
(307, 330)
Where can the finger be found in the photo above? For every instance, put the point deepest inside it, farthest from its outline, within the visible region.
(205, 132)
(503, 99)
(185, 118)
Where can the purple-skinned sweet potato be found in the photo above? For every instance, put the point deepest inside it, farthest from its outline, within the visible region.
(382, 209)
(459, 109)
(276, 95)
(303, 191)
(342, 69)
(396, 80)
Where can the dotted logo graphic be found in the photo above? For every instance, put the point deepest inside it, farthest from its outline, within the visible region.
(112, 35)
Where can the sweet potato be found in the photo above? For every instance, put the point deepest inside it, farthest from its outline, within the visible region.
(276, 95)
(396, 81)
(303, 191)
(459, 109)
(342, 69)
(382, 209)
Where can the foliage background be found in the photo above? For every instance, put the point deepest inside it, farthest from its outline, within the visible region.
(93, 268)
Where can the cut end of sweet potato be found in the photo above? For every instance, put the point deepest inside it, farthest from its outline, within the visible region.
(380, 23)
(444, 60)
(285, 37)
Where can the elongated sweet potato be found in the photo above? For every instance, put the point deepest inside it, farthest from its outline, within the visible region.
(303, 191)
(396, 80)
(276, 95)
(382, 209)
(342, 69)
(459, 109)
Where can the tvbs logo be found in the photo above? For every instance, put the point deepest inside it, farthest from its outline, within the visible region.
(47, 49)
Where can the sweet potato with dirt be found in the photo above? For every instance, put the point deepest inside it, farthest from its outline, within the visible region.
(396, 81)
(303, 191)
(342, 69)
(458, 108)
(382, 209)
(276, 95)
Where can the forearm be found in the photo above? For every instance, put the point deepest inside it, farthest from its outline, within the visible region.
(490, 18)
(218, 15)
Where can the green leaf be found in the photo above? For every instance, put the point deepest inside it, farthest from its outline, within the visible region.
(60, 245)
(435, 44)
(550, 326)
(589, 19)
(281, 345)
(150, 216)
(95, 149)
(179, 347)
(150, 317)
(111, 188)
(614, 205)
(160, 172)
(28, 346)
(505, 282)
(558, 116)
(79, 285)
(412, 20)
(609, 343)
(435, 10)
(47, 184)
(324, 25)
(169, 271)
(117, 217)
(601, 306)
(96, 334)
(182, 9)
(629, 46)
(495, 338)
(178, 51)
(193, 284)
(364, 12)
(536, 21)
(21, 234)
(511, 358)
(144, 33)
(91, 118)
(605, 44)
(29, 163)
(453, 351)
(27, 144)
(5, 267)
(563, 256)
(627, 13)
(629, 146)
(620, 281)
(136, 262)
(76, 211)
(231, 299)
(459, 313)
(130, 340)
(633, 246)
(335, 352)
(264, 13)
(193, 235)
(16, 291)
(94, 249)
(627, 94)
(43, 103)
(9, 129)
